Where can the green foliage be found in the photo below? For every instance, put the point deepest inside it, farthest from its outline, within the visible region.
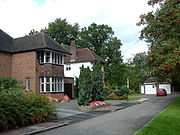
(162, 31)
(90, 85)
(19, 109)
(85, 87)
(97, 83)
(123, 91)
(61, 31)
(95, 36)
(9, 84)
(100, 38)
(137, 71)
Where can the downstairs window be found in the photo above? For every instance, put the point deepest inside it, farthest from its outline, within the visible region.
(51, 84)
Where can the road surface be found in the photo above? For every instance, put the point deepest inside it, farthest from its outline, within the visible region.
(123, 122)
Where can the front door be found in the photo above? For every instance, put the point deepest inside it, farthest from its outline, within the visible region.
(68, 89)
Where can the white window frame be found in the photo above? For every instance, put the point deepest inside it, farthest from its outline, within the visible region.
(55, 82)
(54, 58)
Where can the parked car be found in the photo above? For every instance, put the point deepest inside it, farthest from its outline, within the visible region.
(161, 92)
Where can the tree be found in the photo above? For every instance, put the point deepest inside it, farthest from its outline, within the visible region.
(162, 31)
(61, 31)
(85, 87)
(97, 83)
(100, 38)
(94, 37)
(90, 85)
(136, 71)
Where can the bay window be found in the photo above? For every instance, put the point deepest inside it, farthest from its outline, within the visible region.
(51, 57)
(51, 84)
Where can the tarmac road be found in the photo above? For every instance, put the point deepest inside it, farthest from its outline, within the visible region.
(123, 122)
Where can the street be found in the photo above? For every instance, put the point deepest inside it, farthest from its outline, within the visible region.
(123, 122)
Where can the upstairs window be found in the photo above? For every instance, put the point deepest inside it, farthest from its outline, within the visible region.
(68, 67)
(51, 57)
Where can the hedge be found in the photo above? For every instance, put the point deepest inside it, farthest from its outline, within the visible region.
(18, 108)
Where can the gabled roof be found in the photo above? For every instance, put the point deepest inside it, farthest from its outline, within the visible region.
(29, 43)
(6, 42)
(84, 55)
(38, 41)
(151, 80)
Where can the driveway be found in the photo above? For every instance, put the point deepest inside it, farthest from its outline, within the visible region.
(70, 113)
(123, 122)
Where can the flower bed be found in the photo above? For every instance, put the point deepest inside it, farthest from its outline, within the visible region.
(93, 106)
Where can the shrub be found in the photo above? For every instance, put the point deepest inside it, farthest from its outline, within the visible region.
(85, 87)
(19, 109)
(90, 85)
(97, 83)
(123, 91)
(8, 84)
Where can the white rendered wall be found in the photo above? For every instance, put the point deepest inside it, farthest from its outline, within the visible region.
(150, 89)
(142, 89)
(75, 69)
(167, 87)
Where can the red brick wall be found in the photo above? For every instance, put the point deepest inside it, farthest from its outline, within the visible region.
(69, 80)
(50, 70)
(54, 95)
(5, 64)
(24, 66)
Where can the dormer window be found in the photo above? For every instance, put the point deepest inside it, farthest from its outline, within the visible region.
(51, 58)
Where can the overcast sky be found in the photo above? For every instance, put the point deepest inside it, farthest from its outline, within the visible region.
(18, 17)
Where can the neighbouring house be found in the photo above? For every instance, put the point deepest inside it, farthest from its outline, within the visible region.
(151, 85)
(38, 62)
(79, 57)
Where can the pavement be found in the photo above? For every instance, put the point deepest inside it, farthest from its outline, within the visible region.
(69, 114)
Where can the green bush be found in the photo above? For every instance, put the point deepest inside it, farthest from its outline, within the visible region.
(90, 85)
(17, 110)
(9, 84)
(123, 91)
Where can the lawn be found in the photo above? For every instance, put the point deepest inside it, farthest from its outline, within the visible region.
(167, 123)
(134, 95)
(133, 98)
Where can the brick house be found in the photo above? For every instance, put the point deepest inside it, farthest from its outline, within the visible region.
(37, 61)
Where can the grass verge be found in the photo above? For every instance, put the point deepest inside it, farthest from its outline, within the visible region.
(132, 95)
(133, 98)
(167, 123)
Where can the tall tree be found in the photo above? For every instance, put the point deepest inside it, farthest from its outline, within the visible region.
(85, 87)
(162, 31)
(101, 39)
(61, 31)
(95, 36)
(97, 82)
(136, 70)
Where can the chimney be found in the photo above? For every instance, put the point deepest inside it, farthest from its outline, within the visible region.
(73, 49)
